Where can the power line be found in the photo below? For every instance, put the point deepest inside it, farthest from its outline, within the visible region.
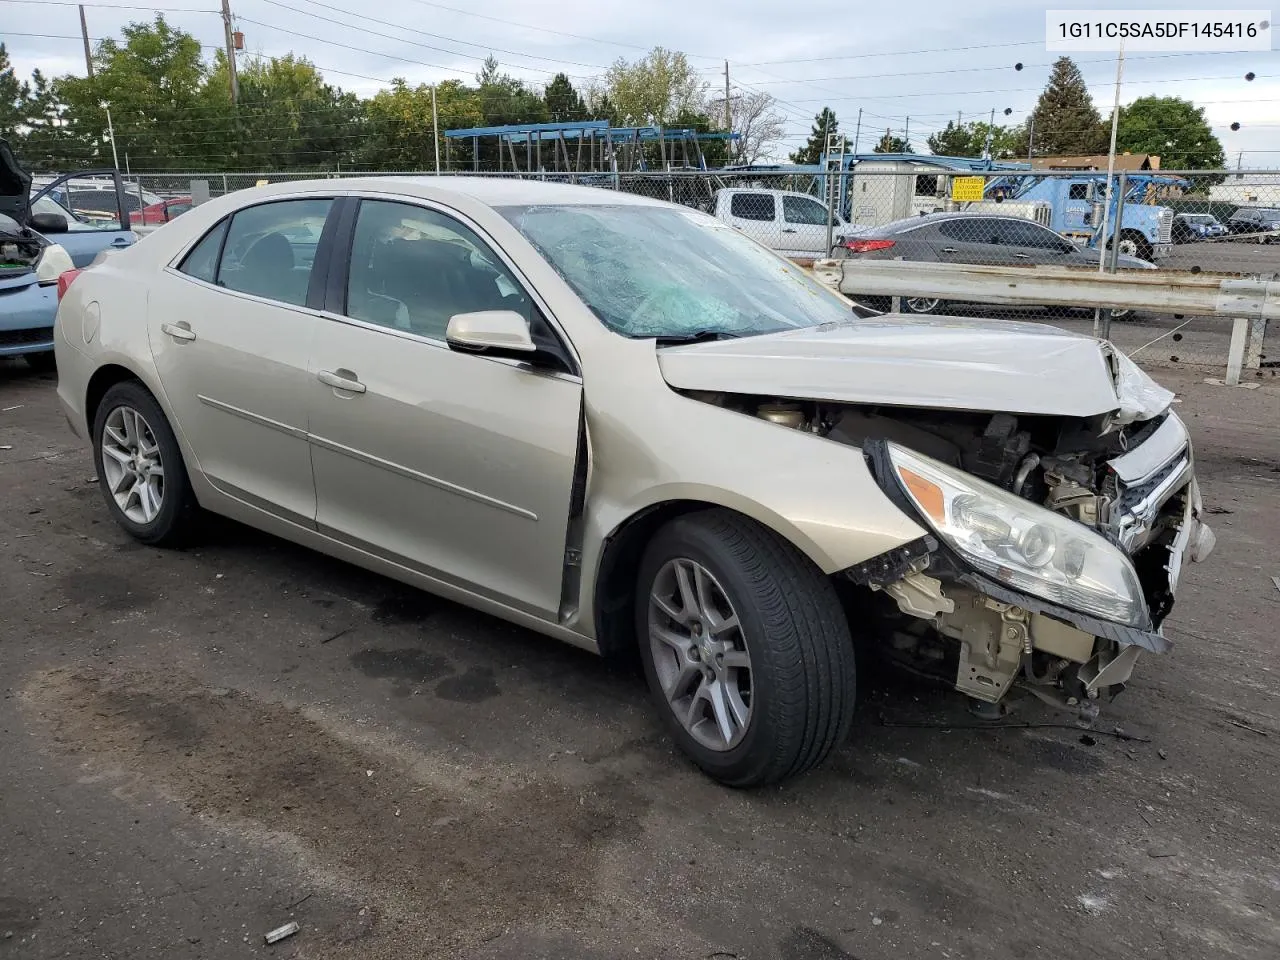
(425, 46)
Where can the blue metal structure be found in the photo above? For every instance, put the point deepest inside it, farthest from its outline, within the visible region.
(607, 149)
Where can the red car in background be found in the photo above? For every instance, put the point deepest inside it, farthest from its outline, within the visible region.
(158, 214)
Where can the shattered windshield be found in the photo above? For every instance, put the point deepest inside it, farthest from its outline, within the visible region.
(673, 273)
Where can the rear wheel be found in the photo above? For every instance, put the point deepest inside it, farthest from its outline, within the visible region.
(745, 647)
(140, 467)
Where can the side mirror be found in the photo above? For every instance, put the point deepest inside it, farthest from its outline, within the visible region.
(498, 332)
(49, 223)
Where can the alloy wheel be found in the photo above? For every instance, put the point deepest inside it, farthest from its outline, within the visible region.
(699, 654)
(132, 465)
(922, 304)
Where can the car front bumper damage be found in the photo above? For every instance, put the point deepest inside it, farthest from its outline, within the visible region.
(1007, 637)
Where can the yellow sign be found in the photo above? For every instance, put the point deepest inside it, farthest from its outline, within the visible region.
(967, 189)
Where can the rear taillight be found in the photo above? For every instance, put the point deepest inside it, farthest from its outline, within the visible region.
(867, 246)
(64, 281)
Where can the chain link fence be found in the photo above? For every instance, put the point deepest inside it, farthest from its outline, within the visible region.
(1223, 223)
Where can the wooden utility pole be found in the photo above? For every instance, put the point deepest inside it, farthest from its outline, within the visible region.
(728, 117)
(84, 35)
(231, 53)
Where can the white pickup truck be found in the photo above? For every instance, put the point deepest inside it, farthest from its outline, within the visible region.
(793, 224)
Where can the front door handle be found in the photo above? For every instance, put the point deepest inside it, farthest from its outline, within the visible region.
(179, 331)
(1022, 256)
(788, 230)
(120, 242)
(948, 250)
(348, 383)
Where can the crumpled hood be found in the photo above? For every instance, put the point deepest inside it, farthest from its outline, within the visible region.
(935, 362)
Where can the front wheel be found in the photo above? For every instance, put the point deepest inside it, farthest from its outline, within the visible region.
(745, 647)
(140, 468)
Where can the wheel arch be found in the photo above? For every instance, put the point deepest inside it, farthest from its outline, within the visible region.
(613, 588)
(102, 380)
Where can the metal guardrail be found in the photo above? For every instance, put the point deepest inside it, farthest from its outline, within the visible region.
(1248, 303)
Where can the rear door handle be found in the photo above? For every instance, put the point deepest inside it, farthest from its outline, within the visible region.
(949, 250)
(348, 383)
(1022, 256)
(179, 331)
(788, 230)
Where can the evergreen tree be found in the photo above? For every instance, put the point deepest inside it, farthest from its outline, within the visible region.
(823, 124)
(564, 104)
(1065, 122)
(13, 98)
(892, 144)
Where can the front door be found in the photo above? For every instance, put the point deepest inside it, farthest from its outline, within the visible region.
(457, 465)
(231, 334)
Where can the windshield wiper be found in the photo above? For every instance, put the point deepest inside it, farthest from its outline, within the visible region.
(698, 336)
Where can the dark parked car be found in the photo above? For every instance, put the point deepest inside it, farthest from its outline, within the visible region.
(971, 238)
(1190, 227)
(1262, 224)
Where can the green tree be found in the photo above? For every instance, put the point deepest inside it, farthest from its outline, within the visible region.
(954, 140)
(13, 99)
(397, 125)
(1173, 129)
(564, 103)
(153, 83)
(1065, 122)
(654, 89)
(890, 143)
(970, 140)
(49, 143)
(287, 117)
(823, 124)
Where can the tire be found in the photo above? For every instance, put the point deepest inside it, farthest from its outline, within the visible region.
(921, 306)
(1141, 246)
(171, 522)
(800, 679)
(43, 362)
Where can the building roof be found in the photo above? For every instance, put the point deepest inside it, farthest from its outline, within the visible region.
(1124, 161)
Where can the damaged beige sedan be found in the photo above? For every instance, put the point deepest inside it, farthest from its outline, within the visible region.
(623, 424)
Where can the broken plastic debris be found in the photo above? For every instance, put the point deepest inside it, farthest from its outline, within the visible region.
(279, 933)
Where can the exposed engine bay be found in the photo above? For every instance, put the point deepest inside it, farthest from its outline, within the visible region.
(1130, 482)
(20, 248)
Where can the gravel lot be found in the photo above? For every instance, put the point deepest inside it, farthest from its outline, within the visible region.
(203, 745)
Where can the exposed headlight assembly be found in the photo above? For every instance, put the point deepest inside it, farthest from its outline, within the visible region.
(1020, 544)
(54, 262)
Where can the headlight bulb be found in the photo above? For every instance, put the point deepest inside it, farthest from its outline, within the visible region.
(1037, 545)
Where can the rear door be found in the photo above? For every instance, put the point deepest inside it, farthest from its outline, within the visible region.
(231, 327)
(755, 213)
(804, 227)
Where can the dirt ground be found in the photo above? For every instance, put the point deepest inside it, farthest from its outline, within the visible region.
(200, 746)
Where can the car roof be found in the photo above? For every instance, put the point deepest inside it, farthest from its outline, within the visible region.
(927, 219)
(491, 191)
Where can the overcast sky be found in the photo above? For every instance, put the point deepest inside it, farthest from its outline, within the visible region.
(920, 62)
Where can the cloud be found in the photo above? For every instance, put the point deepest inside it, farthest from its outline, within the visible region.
(928, 66)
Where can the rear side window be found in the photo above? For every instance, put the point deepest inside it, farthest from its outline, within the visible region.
(202, 261)
(752, 206)
(270, 249)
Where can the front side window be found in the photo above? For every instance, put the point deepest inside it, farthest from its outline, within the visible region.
(270, 249)
(1078, 191)
(649, 271)
(803, 210)
(413, 268)
(752, 206)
